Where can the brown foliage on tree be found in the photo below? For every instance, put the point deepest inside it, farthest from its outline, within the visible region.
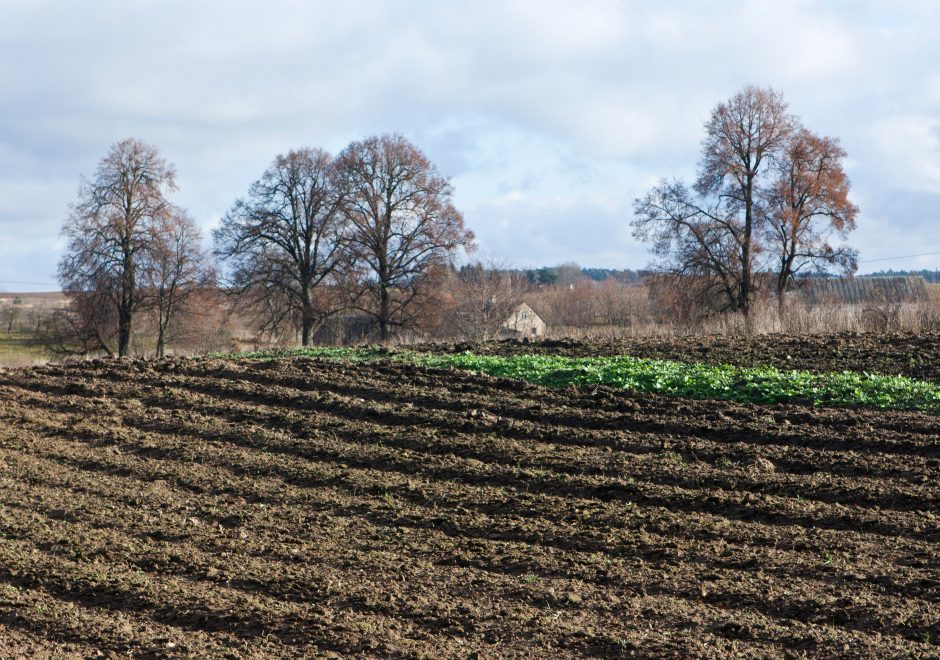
(402, 224)
(87, 326)
(108, 231)
(806, 204)
(286, 243)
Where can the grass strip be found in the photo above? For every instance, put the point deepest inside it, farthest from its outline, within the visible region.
(678, 379)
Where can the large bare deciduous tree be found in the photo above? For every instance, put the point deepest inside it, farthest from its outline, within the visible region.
(108, 232)
(285, 242)
(742, 137)
(403, 223)
(698, 242)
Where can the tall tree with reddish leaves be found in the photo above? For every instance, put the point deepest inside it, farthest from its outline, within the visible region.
(767, 190)
(742, 137)
(807, 204)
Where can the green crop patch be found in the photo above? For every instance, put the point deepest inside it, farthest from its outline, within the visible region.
(678, 379)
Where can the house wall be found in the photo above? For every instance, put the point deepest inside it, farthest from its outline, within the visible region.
(524, 322)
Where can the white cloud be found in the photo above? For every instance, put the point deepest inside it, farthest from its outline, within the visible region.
(932, 94)
(909, 146)
(550, 116)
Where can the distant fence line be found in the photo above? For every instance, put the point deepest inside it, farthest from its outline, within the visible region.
(864, 290)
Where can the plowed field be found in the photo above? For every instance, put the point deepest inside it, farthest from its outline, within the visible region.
(306, 507)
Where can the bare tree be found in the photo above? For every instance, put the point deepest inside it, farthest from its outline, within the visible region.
(485, 293)
(570, 274)
(10, 315)
(709, 233)
(741, 137)
(87, 325)
(403, 223)
(699, 245)
(108, 231)
(807, 204)
(620, 304)
(175, 267)
(285, 242)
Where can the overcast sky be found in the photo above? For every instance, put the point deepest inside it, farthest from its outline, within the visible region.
(550, 117)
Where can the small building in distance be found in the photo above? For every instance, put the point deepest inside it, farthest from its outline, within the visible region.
(863, 290)
(523, 321)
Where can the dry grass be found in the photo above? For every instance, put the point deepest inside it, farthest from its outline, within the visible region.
(933, 291)
(17, 350)
(579, 312)
(766, 317)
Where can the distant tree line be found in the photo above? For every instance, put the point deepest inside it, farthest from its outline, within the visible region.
(550, 275)
(932, 276)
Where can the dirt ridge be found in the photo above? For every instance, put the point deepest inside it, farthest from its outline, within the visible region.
(307, 507)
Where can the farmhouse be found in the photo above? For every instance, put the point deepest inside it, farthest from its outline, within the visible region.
(523, 321)
(863, 290)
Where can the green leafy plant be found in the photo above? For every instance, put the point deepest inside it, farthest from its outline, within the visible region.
(678, 379)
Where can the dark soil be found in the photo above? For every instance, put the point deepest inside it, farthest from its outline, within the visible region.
(307, 508)
(905, 353)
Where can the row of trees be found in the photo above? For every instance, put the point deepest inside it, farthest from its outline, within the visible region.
(314, 235)
(317, 235)
(769, 197)
(373, 230)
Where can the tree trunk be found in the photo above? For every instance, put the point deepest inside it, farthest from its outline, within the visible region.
(161, 343)
(126, 311)
(746, 249)
(384, 312)
(305, 330)
(125, 323)
(783, 279)
(786, 274)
